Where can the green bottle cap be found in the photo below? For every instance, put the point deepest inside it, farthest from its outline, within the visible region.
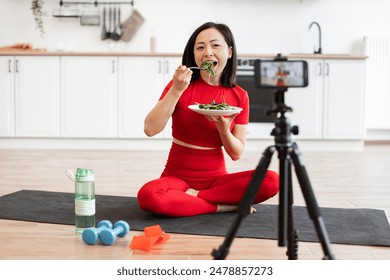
(84, 175)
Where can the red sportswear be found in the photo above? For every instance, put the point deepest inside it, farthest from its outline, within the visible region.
(193, 128)
(202, 170)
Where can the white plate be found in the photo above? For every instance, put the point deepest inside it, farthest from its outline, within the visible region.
(232, 111)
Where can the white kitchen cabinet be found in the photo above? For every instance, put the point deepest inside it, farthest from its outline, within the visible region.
(171, 63)
(84, 96)
(36, 89)
(141, 82)
(7, 97)
(307, 104)
(344, 99)
(89, 96)
(331, 107)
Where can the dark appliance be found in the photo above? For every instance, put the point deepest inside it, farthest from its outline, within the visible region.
(260, 99)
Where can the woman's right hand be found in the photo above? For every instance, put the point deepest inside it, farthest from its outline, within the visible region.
(181, 78)
(158, 117)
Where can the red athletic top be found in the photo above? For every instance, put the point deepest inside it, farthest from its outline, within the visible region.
(195, 129)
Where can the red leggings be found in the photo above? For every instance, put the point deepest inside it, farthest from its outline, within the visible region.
(205, 171)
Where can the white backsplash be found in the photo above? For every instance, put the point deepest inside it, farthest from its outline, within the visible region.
(260, 26)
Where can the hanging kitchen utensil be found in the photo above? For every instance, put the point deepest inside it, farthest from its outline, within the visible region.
(109, 23)
(90, 16)
(113, 35)
(131, 25)
(104, 34)
(66, 11)
(117, 29)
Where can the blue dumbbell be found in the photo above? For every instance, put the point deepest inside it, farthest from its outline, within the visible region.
(108, 236)
(91, 235)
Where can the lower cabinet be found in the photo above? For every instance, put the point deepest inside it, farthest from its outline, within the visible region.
(332, 106)
(344, 82)
(29, 96)
(307, 104)
(140, 85)
(37, 103)
(89, 97)
(7, 96)
(109, 97)
(141, 82)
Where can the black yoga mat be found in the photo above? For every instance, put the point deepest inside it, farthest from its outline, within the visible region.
(344, 226)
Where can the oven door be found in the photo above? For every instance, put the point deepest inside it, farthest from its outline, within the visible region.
(260, 99)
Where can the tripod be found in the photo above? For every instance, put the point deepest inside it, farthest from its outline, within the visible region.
(288, 153)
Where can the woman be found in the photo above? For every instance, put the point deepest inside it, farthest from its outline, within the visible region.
(195, 180)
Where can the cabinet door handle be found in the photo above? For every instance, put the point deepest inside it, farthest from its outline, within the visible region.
(326, 69)
(319, 69)
(113, 66)
(9, 65)
(17, 66)
(166, 67)
(159, 67)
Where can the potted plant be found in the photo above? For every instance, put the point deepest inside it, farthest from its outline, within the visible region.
(37, 10)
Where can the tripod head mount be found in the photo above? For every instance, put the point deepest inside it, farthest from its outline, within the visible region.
(283, 129)
(279, 105)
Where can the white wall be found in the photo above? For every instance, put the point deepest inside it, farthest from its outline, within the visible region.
(260, 26)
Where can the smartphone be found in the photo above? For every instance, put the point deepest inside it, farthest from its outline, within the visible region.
(281, 73)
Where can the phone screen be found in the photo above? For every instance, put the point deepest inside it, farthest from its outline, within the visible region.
(281, 74)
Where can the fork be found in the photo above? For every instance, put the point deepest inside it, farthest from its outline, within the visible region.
(204, 67)
(200, 68)
(195, 67)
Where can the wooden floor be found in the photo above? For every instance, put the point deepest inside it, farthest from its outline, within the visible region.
(340, 179)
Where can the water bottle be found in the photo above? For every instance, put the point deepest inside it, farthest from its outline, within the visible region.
(85, 205)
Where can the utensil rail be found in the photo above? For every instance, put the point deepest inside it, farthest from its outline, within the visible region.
(96, 3)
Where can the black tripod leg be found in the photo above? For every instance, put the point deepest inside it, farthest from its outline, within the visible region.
(287, 232)
(312, 206)
(292, 233)
(245, 203)
(283, 195)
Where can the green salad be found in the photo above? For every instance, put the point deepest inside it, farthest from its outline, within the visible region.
(208, 66)
(215, 106)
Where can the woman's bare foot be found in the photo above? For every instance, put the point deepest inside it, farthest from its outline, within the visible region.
(192, 192)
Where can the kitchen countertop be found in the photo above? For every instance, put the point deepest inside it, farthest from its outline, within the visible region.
(309, 56)
(292, 55)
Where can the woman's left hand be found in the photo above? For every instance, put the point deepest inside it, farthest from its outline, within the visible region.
(222, 122)
(233, 141)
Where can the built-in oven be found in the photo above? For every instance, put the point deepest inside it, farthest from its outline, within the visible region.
(260, 99)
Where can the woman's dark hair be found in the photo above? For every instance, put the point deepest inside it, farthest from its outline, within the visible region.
(228, 77)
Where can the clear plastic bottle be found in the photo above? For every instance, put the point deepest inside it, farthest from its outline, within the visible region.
(85, 205)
